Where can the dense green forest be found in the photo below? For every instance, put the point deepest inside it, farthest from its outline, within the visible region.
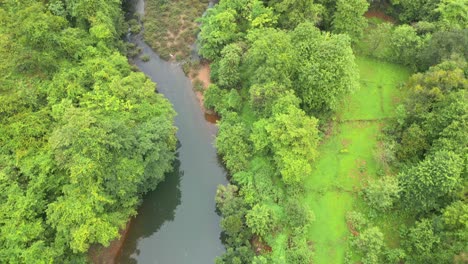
(82, 136)
(343, 126)
(292, 79)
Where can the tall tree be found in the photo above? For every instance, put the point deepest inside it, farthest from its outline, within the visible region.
(349, 18)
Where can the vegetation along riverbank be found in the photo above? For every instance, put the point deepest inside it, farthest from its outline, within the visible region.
(82, 135)
(344, 130)
(343, 124)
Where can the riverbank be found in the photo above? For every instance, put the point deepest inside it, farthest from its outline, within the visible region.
(200, 78)
(107, 255)
(171, 27)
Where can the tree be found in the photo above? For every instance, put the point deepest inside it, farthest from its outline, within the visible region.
(271, 57)
(82, 136)
(213, 98)
(405, 45)
(349, 18)
(291, 137)
(434, 113)
(443, 45)
(293, 12)
(370, 242)
(433, 183)
(416, 10)
(420, 242)
(228, 72)
(453, 13)
(263, 97)
(218, 30)
(326, 71)
(382, 193)
(233, 144)
(259, 219)
(413, 143)
(456, 215)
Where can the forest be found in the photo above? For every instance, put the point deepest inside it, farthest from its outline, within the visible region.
(82, 135)
(337, 154)
(343, 126)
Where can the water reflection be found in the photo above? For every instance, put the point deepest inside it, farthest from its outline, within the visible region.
(158, 206)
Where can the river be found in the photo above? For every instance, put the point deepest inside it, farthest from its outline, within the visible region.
(177, 222)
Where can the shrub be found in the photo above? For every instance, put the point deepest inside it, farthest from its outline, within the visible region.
(259, 219)
(145, 58)
(382, 193)
(356, 220)
(370, 242)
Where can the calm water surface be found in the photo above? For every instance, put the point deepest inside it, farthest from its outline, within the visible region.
(177, 223)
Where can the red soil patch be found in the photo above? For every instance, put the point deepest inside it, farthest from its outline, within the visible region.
(381, 15)
(258, 246)
(203, 75)
(352, 229)
(108, 255)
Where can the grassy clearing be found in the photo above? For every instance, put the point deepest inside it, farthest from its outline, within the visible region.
(170, 26)
(347, 158)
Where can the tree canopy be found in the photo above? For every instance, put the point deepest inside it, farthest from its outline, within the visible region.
(82, 136)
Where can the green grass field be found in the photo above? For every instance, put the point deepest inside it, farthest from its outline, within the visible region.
(346, 158)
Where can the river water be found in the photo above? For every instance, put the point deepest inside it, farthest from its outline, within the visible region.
(177, 223)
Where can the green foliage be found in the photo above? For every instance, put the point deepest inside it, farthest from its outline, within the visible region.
(435, 112)
(377, 41)
(292, 137)
(453, 13)
(299, 214)
(349, 18)
(432, 183)
(82, 136)
(414, 143)
(213, 98)
(299, 250)
(219, 29)
(260, 220)
(271, 57)
(371, 243)
(405, 45)
(233, 144)
(145, 58)
(382, 194)
(420, 242)
(293, 12)
(228, 73)
(356, 220)
(443, 45)
(233, 101)
(327, 70)
(416, 10)
(263, 97)
(456, 215)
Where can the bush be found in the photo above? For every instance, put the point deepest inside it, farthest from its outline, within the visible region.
(356, 220)
(259, 219)
(214, 98)
(382, 193)
(370, 242)
(299, 214)
(145, 58)
(198, 85)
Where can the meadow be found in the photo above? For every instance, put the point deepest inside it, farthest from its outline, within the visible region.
(348, 157)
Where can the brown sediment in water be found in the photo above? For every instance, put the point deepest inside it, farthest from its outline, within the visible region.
(381, 15)
(99, 254)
